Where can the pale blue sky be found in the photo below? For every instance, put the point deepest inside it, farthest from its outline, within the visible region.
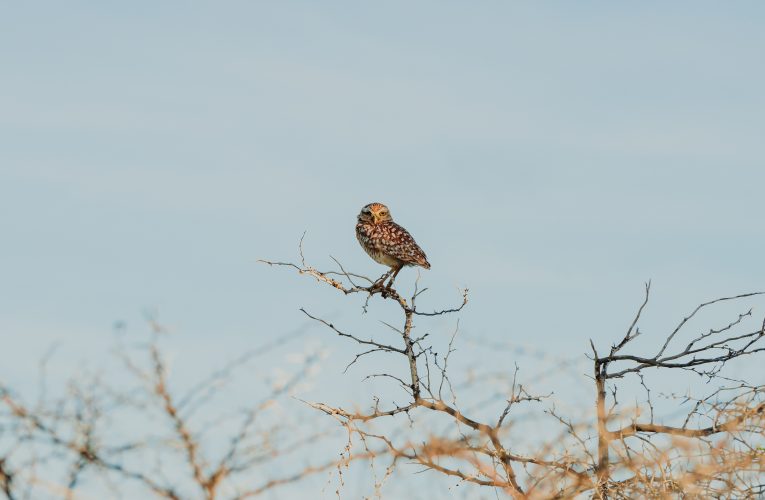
(551, 157)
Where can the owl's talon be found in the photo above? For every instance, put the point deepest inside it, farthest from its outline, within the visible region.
(378, 284)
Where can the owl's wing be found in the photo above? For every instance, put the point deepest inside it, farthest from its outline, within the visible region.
(397, 242)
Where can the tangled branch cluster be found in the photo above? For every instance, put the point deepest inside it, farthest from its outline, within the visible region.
(151, 437)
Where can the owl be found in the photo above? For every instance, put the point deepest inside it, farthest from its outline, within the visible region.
(387, 242)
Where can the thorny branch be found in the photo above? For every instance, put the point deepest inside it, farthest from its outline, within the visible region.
(423, 399)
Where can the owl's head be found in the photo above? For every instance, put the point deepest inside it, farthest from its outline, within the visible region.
(374, 213)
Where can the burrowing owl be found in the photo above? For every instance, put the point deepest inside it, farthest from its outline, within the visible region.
(387, 242)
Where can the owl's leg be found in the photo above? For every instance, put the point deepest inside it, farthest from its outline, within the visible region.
(395, 273)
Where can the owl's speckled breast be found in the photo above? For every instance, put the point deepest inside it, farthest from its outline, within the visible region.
(369, 240)
(390, 244)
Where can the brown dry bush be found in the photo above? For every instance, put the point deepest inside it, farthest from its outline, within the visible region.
(150, 439)
(145, 437)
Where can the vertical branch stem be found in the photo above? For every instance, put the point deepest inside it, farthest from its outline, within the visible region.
(409, 350)
(603, 435)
